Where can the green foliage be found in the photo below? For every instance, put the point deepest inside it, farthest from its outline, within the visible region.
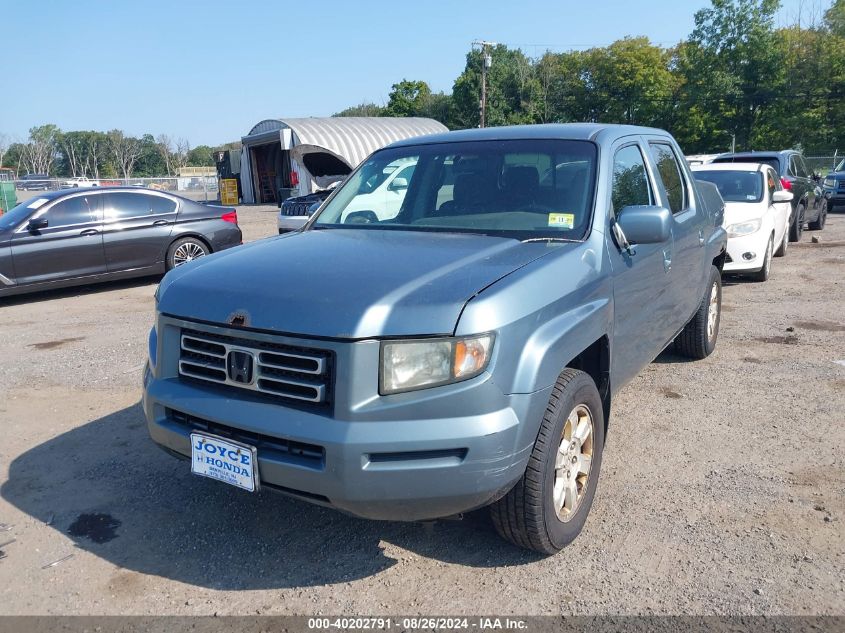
(201, 156)
(362, 109)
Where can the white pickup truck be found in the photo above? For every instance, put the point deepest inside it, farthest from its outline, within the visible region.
(80, 181)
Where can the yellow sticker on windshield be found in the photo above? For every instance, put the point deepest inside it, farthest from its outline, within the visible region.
(562, 220)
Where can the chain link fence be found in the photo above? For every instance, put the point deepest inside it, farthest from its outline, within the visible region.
(200, 188)
(823, 163)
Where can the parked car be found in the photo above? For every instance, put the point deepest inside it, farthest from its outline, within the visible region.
(834, 187)
(79, 181)
(807, 207)
(69, 237)
(384, 191)
(35, 182)
(757, 212)
(457, 351)
(296, 211)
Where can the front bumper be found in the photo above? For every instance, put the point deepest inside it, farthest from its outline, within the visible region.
(738, 246)
(835, 196)
(407, 457)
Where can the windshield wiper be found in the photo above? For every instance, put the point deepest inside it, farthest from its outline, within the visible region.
(547, 239)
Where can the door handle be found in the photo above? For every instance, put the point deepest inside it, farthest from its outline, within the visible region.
(161, 222)
(667, 261)
(700, 237)
(90, 232)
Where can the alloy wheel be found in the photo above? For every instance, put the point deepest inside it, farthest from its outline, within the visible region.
(187, 252)
(573, 462)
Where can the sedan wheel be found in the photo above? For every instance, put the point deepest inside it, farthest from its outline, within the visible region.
(185, 250)
(763, 273)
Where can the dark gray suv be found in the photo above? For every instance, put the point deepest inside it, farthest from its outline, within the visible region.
(807, 207)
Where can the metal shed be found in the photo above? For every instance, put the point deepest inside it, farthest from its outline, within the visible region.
(283, 157)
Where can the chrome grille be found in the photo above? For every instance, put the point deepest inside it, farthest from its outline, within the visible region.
(277, 370)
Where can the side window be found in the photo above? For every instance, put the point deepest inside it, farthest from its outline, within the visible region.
(120, 206)
(771, 183)
(670, 174)
(630, 180)
(160, 204)
(793, 169)
(802, 167)
(76, 210)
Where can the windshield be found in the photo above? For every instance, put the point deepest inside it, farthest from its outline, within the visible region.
(735, 186)
(840, 166)
(18, 214)
(523, 189)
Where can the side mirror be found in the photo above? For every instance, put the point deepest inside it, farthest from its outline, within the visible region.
(782, 196)
(399, 184)
(645, 224)
(37, 224)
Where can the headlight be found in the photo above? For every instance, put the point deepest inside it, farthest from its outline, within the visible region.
(829, 183)
(743, 228)
(407, 365)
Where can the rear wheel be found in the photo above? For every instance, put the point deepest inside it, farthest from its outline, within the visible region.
(698, 338)
(763, 273)
(185, 250)
(548, 506)
(818, 224)
(797, 226)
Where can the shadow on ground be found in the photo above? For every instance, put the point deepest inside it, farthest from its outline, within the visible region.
(167, 522)
(73, 291)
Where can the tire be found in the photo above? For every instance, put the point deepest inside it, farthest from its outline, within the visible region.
(698, 338)
(185, 250)
(527, 516)
(784, 245)
(797, 227)
(818, 223)
(763, 273)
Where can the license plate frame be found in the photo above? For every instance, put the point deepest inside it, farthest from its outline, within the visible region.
(222, 454)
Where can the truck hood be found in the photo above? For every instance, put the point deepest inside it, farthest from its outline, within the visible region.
(343, 283)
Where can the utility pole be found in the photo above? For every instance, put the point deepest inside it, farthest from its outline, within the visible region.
(486, 62)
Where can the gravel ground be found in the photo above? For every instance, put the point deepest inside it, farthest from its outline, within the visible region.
(723, 487)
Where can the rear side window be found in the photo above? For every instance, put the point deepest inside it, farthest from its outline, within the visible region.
(630, 180)
(121, 206)
(670, 174)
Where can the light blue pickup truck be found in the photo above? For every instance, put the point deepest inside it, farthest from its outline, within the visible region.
(454, 345)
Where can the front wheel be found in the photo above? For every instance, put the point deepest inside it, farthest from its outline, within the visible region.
(763, 273)
(185, 250)
(698, 338)
(548, 506)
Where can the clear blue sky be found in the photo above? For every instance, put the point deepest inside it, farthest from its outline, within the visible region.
(208, 71)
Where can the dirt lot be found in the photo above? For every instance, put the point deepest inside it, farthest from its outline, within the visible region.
(723, 487)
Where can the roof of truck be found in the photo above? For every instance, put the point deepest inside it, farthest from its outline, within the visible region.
(566, 131)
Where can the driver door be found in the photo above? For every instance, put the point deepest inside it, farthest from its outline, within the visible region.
(642, 292)
(70, 245)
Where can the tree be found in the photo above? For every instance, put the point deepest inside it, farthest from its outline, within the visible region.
(40, 152)
(834, 18)
(124, 151)
(201, 156)
(733, 67)
(407, 98)
(181, 153)
(165, 148)
(362, 109)
(4, 147)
